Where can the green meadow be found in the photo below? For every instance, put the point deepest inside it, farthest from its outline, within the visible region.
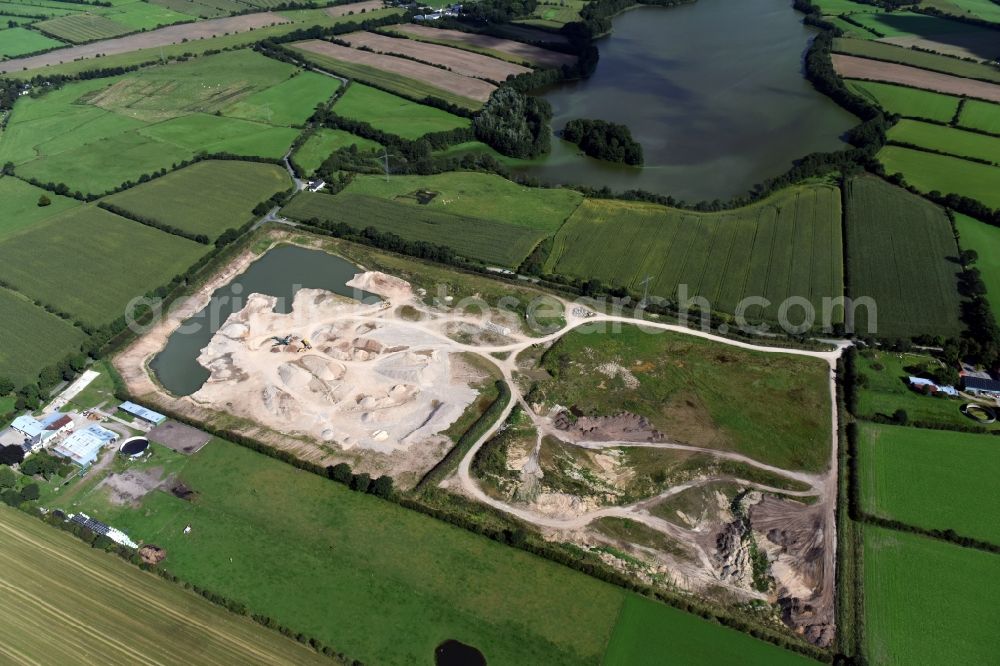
(933, 479)
(393, 114)
(79, 28)
(93, 262)
(947, 139)
(984, 239)
(922, 59)
(207, 197)
(19, 41)
(903, 261)
(948, 175)
(928, 602)
(311, 154)
(908, 102)
(31, 338)
(20, 205)
(980, 115)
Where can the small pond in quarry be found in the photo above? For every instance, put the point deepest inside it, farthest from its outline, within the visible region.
(280, 272)
(714, 91)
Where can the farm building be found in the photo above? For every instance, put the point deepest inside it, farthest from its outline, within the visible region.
(83, 446)
(989, 388)
(919, 382)
(32, 430)
(140, 412)
(56, 423)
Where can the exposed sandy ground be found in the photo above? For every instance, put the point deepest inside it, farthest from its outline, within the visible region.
(876, 70)
(355, 7)
(518, 49)
(173, 34)
(362, 383)
(439, 78)
(980, 46)
(462, 62)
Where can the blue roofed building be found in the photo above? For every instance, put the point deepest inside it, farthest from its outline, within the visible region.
(34, 432)
(138, 411)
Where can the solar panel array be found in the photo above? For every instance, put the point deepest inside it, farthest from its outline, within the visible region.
(95, 526)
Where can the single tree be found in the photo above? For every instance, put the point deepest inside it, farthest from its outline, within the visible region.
(30, 492)
(44, 201)
(7, 477)
(360, 482)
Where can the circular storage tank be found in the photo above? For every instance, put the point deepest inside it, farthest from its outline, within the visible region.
(133, 447)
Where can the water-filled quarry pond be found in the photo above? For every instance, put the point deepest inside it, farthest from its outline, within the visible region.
(280, 272)
(713, 90)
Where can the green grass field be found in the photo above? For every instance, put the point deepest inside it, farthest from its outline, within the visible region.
(933, 479)
(382, 584)
(908, 102)
(948, 175)
(49, 578)
(311, 154)
(981, 115)
(774, 408)
(900, 253)
(912, 24)
(478, 195)
(983, 9)
(648, 634)
(787, 245)
(402, 85)
(928, 602)
(886, 391)
(31, 338)
(948, 139)
(90, 263)
(206, 198)
(984, 239)
(393, 114)
(157, 117)
(554, 14)
(79, 28)
(921, 59)
(489, 241)
(838, 7)
(140, 15)
(20, 206)
(19, 41)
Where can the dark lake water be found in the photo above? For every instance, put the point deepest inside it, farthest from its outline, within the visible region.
(280, 272)
(713, 91)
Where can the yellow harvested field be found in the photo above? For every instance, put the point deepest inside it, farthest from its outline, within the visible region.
(172, 34)
(853, 67)
(462, 62)
(527, 52)
(62, 602)
(457, 84)
(355, 7)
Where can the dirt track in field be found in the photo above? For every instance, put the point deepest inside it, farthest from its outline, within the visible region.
(173, 34)
(434, 76)
(355, 7)
(510, 47)
(457, 60)
(875, 70)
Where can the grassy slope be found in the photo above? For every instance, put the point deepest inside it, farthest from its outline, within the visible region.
(898, 254)
(981, 115)
(50, 579)
(318, 147)
(31, 338)
(21, 209)
(919, 591)
(490, 241)
(933, 479)
(478, 194)
(290, 102)
(771, 407)
(887, 391)
(908, 101)
(948, 175)
(984, 239)
(790, 244)
(93, 262)
(18, 41)
(947, 139)
(207, 197)
(394, 114)
(647, 636)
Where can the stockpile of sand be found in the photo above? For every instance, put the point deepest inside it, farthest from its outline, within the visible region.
(332, 371)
